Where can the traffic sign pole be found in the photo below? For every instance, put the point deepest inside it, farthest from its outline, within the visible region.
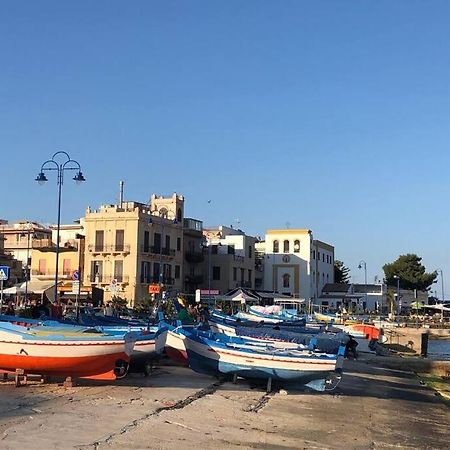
(1, 295)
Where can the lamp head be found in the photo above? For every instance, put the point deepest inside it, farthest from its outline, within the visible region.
(79, 177)
(41, 178)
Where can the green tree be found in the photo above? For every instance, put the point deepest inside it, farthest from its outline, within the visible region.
(410, 271)
(341, 273)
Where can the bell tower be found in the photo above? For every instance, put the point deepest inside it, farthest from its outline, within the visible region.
(168, 207)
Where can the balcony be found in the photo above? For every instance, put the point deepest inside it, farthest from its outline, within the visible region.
(107, 249)
(108, 279)
(194, 257)
(156, 250)
(50, 273)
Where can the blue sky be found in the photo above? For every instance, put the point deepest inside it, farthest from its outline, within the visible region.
(322, 114)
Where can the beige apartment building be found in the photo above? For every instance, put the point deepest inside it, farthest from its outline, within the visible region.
(230, 259)
(132, 245)
(23, 236)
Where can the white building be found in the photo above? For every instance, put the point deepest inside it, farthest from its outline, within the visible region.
(295, 264)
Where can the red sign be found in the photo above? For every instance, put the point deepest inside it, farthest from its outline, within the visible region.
(209, 292)
(154, 289)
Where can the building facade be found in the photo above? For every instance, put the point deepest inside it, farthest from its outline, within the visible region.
(194, 255)
(229, 260)
(132, 245)
(293, 263)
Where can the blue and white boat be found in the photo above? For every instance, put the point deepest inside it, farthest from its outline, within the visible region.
(218, 354)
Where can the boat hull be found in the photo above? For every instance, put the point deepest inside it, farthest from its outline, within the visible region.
(208, 359)
(176, 348)
(90, 357)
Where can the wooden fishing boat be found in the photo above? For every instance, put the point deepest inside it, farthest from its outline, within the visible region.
(217, 354)
(81, 355)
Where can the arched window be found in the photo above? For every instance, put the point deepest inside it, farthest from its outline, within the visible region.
(286, 280)
(296, 246)
(163, 213)
(286, 246)
(179, 217)
(276, 246)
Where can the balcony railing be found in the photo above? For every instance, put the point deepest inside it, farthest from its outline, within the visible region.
(51, 272)
(154, 279)
(108, 279)
(110, 248)
(155, 250)
(194, 257)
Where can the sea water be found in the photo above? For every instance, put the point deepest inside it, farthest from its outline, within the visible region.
(439, 349)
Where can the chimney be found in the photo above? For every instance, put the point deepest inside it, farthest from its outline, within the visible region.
(120, 194)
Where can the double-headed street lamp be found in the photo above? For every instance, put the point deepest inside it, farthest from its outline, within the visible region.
(60, 162)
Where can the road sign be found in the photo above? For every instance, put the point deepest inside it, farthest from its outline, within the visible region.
(75, 286)
(4, 273)
(154, 289)
(209, 292)
(75, 275)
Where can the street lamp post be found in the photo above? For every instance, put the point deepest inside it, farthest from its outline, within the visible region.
(442, 292)
(28, 262)
(398, 294)
(60, 162)
(360, 266)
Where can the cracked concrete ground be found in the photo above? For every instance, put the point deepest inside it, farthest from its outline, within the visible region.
(177, 408)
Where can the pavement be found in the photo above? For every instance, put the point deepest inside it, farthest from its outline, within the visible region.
(175, 408)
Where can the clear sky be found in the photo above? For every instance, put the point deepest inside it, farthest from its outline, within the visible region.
(327, 115)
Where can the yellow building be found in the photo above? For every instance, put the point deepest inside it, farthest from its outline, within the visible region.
(132, 245)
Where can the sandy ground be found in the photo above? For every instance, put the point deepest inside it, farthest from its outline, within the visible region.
(178, 409)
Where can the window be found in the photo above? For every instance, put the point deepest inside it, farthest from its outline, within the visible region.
(323, 257)
(167, 243)
(234, 273)
(276, 247)
(42, 266)
(214, 249)
(99, 240)
(249, 251)
(216, 273)
(177, 272)
(146, 241)
(314, 254)
(96, 271)
(242, 276)
(286, 246)
(120, 236)
(286, 280)
(157, 242)
(118, 270)
(296, 246)
(145, 271)
(179, 215)
(231, 250)
(66, 266)
(156, 268)
(178, 244)
(249, 275)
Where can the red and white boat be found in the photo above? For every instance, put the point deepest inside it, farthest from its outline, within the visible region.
(80, 355)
